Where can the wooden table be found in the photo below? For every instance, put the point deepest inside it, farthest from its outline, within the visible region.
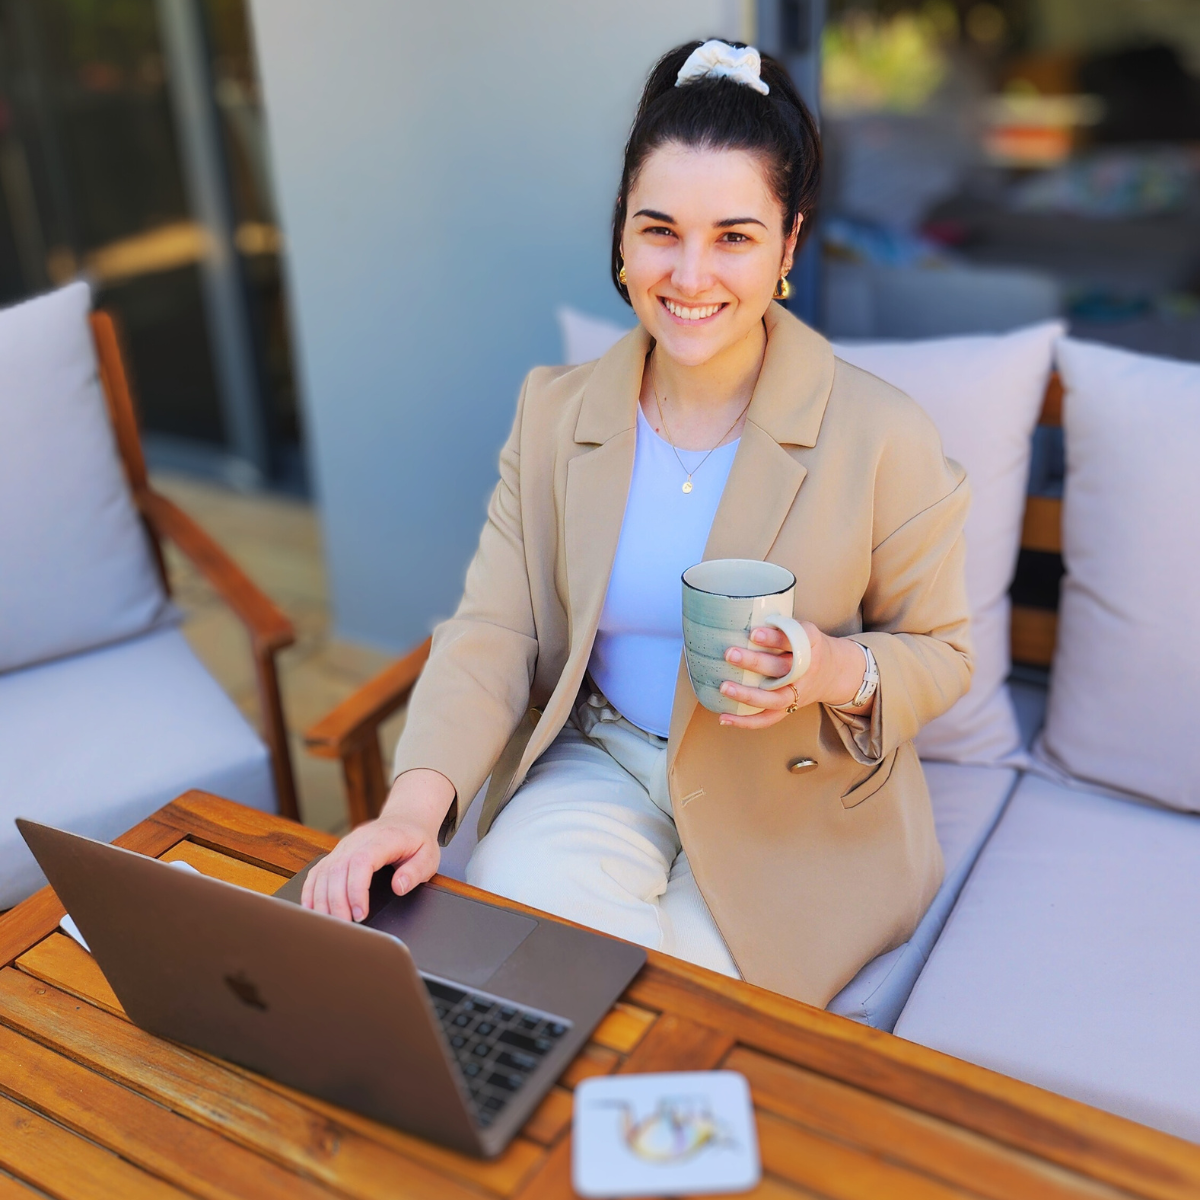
(91, 1106)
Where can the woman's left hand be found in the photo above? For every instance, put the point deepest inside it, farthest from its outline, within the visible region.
(833, 676)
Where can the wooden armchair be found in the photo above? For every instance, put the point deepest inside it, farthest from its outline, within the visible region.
(351, 731)
(268, 628)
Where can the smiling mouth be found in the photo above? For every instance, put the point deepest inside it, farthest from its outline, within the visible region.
(693, 313)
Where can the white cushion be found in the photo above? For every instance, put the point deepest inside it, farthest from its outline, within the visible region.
(1122, 703)
(96, 742)
(985, 395)
(75, 569)
(585, 337)
(967, 802)
(1070, 959)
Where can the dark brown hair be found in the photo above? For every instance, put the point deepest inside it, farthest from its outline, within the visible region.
(721, 114)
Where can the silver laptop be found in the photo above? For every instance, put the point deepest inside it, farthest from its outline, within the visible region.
(441, 1015)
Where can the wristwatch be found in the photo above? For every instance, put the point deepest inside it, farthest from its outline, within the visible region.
(869, 684)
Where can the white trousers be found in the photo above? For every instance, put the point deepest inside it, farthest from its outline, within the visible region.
(589, 836)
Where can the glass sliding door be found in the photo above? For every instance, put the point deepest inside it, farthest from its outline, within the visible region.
(132, 155)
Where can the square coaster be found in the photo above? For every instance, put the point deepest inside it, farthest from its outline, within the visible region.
(670, 1134)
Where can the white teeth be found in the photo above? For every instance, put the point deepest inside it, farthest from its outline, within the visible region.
(691, 314)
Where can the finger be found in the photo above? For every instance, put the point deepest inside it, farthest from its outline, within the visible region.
(321, 888)
(774, 666)
(306, 893)
(339, 905)
(770, 638)
(758, 697)
(359, 873)
(421, 866)
(762, 720)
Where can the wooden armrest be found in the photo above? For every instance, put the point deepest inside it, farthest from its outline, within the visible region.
(269, 627)
(357, 718)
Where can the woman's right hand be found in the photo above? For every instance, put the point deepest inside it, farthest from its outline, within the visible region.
(405, 833)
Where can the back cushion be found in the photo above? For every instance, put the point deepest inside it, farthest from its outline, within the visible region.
(984, 394)
(75, 567)
(1122, 702)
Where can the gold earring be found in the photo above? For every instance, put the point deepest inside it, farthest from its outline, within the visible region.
(624, 279)
(783, 289)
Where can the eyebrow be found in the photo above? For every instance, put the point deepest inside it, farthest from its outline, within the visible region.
(725, 224)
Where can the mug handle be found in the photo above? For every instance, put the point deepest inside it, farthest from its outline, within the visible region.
(801, 649)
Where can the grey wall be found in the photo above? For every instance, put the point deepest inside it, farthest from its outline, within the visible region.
(445, 175)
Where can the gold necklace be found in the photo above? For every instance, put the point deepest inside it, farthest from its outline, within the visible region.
(687, 483)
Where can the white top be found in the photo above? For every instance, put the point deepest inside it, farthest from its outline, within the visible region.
(635, 659)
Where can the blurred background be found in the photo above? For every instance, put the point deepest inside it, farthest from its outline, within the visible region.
(337, 235)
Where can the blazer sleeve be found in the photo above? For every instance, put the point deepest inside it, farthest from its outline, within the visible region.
(916, 618)
(474, 690)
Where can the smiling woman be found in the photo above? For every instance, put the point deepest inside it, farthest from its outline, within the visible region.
(788, 840)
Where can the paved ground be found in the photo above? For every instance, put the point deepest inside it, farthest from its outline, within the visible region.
(277, 542)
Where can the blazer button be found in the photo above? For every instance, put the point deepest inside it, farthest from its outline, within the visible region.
(800, 766)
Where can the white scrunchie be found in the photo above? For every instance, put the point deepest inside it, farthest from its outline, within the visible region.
(720, 58)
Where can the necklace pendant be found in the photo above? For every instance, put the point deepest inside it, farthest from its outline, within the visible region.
(687, 484)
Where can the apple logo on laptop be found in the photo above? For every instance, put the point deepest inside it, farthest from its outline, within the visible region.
(245, 991)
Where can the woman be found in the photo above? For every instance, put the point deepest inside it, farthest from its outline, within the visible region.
(790, 846)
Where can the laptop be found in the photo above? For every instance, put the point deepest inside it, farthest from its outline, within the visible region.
(445, 1016)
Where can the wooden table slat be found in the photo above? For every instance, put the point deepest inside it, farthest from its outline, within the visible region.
(146, 1134)
(69, 1167)
(65, 964)
(591, 1060)
(838, 1171)
(259, 838)
(1141, 1160)
(224, 866)
(14, 1189)
(623, 1028)
(677, 1044)
(881, 1126)
(552, 1118)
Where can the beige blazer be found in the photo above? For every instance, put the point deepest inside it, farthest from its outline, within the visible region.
(840, 478)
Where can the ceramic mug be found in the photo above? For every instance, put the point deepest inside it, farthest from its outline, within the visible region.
(724, 599)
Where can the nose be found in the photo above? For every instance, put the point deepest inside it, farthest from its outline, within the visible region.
(693, 274)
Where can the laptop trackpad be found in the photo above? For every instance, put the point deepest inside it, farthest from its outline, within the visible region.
(451, 936)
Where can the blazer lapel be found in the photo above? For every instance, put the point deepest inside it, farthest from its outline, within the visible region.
(786, 410)
(597, 488)
(598, 480)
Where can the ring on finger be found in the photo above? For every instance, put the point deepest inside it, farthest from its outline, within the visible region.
(795, 704)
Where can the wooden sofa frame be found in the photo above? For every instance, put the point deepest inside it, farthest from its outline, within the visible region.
(269, 628)
(351, 731)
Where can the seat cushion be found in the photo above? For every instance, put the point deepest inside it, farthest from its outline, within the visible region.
(75, 566)
(1070, 959)
(984, 394)
(1121, 709)
(96, 742)
(967, 801)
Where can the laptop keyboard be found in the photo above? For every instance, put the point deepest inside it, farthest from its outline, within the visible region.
(498, 1045)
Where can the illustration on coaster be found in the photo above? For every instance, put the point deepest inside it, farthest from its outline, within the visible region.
(678, 1132)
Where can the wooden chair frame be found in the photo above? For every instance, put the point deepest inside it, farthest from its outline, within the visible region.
(268, 627)
(351, 731)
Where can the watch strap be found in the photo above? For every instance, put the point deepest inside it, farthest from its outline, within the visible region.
(869, 685)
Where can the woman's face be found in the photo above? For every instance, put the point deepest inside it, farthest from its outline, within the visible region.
(703, 247)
